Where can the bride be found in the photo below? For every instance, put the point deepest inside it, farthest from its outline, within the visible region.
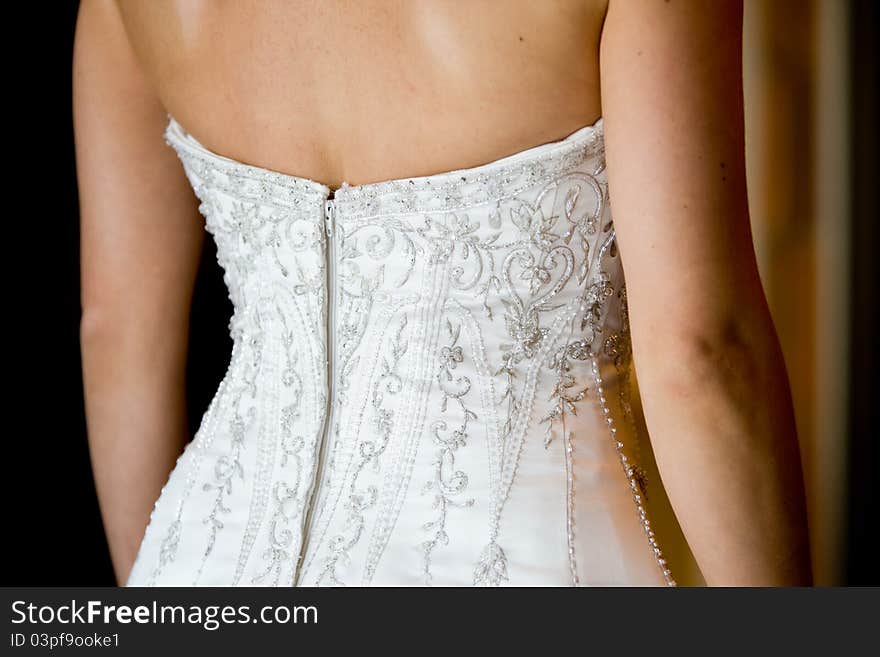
(454, 235)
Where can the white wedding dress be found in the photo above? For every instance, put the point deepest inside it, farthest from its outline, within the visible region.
(429, 384)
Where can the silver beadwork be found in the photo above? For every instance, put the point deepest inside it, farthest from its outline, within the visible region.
(468, 306)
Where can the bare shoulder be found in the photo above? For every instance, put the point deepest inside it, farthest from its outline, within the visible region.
(112, 90)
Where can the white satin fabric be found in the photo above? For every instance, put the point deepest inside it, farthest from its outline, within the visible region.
(467, 331)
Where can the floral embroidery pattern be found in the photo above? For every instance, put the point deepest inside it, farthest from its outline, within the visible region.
(447, 482)
(361, 500)
(170, 542)
(519, 250)
(565, 394)
(546, 263)
(279, 552)
(228, 467)
(455, 236)
(546, 252)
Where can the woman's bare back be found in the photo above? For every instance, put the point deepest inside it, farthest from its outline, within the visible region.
(361, 92)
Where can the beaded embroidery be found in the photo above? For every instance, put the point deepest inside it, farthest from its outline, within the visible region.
(280, 552)
(447, 482)
(518, 249)
(361, 500)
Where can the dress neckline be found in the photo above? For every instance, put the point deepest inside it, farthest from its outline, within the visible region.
(582, 135)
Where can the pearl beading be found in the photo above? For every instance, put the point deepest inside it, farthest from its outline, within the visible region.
(630, 473)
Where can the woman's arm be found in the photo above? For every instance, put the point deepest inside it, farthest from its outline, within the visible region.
(141, 238)
(715, 391)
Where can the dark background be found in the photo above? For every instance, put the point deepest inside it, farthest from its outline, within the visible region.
(54, 535)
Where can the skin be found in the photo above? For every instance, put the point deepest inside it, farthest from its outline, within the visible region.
(369, 91)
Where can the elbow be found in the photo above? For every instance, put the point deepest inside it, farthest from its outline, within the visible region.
(132, 336)
(723, 385)
(728, 354)
(112, 329)
(735, 357)
(98, 326)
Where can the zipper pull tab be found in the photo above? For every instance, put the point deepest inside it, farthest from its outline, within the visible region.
(328, 217)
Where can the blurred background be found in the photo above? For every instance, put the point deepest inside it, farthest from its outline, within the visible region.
(811, 111)
(809, 69)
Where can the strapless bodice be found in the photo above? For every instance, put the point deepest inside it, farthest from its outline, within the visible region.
(429, 383)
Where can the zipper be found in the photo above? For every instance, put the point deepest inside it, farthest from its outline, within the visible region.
(330, 326)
